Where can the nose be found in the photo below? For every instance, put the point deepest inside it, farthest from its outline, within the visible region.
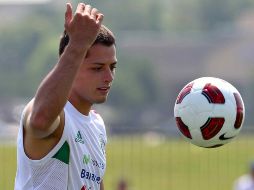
(108, 75)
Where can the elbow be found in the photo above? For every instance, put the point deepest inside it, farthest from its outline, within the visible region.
(37, 121)
(41, 126)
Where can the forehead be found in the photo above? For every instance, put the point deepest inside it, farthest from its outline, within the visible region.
(99, 53)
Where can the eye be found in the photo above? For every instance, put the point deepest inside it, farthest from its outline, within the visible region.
(112, 67)
(97, 68)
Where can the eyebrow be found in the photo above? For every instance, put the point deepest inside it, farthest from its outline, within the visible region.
(105, 63)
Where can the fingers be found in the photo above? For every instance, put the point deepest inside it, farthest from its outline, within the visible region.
(88, 9)
(68, 14)
(80, 8)
(84, 9)
(94, 13)
(99, 18)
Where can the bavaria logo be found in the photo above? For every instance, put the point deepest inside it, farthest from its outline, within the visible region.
(79, 138)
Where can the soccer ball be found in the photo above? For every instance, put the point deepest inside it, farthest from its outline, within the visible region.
(209, 112)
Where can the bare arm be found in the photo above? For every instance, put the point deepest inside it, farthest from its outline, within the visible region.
(53, 92)
(102, 185)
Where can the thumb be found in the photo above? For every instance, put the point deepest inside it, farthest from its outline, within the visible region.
(68, 14)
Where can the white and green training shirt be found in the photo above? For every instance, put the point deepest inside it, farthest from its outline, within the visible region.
(77, 162)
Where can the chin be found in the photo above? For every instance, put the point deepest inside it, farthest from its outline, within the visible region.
(100, 101)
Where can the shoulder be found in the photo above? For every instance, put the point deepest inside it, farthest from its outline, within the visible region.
(244, 180)
(98, 121)
(96, 116)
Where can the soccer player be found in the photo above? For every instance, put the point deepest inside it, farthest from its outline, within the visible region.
(61, 141)
(246, 182)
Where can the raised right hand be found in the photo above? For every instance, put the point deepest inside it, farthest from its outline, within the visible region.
(82, 27)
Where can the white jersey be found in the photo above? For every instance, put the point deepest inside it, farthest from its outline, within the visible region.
(77, 162)
(245, 182)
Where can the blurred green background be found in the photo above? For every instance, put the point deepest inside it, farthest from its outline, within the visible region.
(156, 162)
(161, 46)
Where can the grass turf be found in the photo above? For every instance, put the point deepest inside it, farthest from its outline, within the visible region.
(162, 164)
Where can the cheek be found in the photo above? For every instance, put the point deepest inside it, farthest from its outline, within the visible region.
(87, 82)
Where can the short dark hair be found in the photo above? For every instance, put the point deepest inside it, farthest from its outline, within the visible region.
(104, 37)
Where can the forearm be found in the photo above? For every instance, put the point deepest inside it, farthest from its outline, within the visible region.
(101, 186)
(54, 90)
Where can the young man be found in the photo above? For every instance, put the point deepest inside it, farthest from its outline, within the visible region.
(246, 181)
(61, 141)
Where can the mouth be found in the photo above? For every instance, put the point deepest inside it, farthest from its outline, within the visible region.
(104, 89)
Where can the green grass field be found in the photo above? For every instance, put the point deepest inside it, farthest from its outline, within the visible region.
(160, 165)
(7, 166)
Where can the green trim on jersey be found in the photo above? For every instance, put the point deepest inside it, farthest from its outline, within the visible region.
(63, 154)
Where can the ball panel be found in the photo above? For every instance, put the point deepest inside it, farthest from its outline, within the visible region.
(213, 94)
(190, 111)
(212, 127)
(183, 128)
(239, 111)
(197, 138)
(186, 90)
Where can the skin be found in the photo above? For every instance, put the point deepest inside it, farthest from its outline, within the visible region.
(252, 174)
(95, 78)
(83, 75)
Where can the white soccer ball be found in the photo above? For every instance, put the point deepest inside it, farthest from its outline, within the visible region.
(209, 112)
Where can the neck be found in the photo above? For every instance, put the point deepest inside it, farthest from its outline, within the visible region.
(82, 106)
